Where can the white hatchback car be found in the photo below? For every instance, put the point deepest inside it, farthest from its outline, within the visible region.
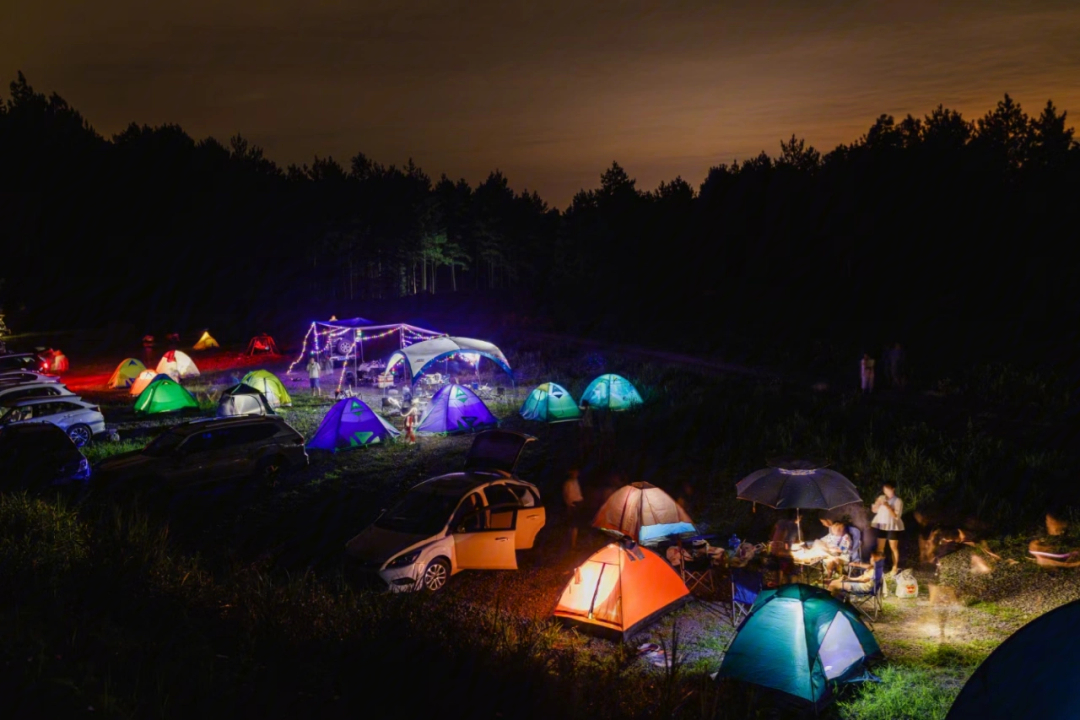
(10, 393)
(472, 520)
(78, 418)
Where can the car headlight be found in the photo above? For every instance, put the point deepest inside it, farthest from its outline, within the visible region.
(402, 560)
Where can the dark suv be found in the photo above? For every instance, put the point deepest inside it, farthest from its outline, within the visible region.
(23, 361)
(259, 447)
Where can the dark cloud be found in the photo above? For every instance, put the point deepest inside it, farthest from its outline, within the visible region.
(549, 92)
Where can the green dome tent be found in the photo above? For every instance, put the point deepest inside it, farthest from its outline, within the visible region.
(550, 403)
(268, 384)
(164, 395)
(611, 392)
(797, 639)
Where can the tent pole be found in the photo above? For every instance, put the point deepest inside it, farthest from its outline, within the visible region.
(798, 523)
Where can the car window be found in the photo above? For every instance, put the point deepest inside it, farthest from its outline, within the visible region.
(163, 444)
(250, 434)
(419, 512)
(199, 442)
(39, 410)
(500, 495)
(525, 496)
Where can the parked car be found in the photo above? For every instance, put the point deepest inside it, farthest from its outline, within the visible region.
(21, 377)
(39, 454)
(23, 361)
(210, 449)
(10, 393)
(472, 520)
(80, 419)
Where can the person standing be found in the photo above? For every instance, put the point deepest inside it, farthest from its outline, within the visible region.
(572, 498)
(409, 413)
(866, 370)
(313, 373)
(586, 429)
(888, 511)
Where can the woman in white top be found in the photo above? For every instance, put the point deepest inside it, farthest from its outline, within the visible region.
(888, 510)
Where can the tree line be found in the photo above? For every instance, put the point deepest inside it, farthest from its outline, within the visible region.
(919, 217)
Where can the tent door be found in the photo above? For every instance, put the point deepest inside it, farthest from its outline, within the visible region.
(485, 540)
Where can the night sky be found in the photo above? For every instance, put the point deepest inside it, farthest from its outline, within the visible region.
(549, 92)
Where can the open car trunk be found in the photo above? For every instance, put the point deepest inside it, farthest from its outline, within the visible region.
(497, 450)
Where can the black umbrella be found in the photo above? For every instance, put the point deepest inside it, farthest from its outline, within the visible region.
(799, 484)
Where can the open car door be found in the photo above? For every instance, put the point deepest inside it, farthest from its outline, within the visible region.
(485, 538)
(497, 450)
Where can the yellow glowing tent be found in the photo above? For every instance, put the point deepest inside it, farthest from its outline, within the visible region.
(126, 373)
(620, 590)
(206, 342)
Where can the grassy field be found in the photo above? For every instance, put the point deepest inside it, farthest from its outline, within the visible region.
(237, 600)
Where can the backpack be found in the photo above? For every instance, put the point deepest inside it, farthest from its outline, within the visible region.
(906, 585)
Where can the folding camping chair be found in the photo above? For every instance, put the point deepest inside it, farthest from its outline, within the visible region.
(856, 543)
(868, 601)
(745, 586)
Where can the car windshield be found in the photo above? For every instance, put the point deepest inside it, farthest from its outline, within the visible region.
(164, 444)
(420, 512)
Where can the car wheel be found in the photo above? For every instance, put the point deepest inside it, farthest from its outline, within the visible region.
(80, 435)
(435, 575)
(270, 468)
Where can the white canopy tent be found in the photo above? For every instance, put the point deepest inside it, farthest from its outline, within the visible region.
(420, 357)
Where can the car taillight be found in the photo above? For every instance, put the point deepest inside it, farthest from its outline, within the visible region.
(95, 408)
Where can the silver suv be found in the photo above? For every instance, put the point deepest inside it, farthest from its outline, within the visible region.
(11, 393)
(80, 419)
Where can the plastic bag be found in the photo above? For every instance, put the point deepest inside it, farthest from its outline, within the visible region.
(906, 585)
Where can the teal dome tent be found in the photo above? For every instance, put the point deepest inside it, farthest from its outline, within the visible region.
(799, 639)
(611, 392)
(550, 403)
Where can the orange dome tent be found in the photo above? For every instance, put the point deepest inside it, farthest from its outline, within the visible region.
(643, 512)
(620, 590)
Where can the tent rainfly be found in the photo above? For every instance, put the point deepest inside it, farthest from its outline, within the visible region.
(206, 341)
(243, 399)
(164, 395)
(798, 639)
(350, 423)
(643, 512)
(143, 381)
(550, 403)
(421, 357)
(455, 409)
(620, 590)
(611, 392)
(269, 385)
(1029, 675)
(126, 373)
(177, 365)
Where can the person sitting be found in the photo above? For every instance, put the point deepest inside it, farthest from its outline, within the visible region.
(835, 548)
(1055, 549)
(863, 582)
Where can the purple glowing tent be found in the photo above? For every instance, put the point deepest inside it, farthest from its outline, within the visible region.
(455, 409)
(350, 423)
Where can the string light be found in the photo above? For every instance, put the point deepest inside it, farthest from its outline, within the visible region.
(303, 348)
(407, 334)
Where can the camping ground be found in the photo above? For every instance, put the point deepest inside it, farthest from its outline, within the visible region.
(240, 598)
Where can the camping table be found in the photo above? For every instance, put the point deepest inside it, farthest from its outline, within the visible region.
(811, 566)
